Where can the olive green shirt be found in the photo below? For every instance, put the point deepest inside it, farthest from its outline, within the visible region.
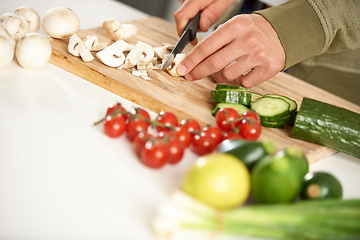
(321, 39)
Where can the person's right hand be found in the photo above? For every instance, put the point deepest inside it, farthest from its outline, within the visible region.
(212, 11)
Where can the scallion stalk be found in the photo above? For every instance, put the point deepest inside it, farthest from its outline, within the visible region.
(310, 219)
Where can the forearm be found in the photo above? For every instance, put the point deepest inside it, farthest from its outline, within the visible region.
(310, 27)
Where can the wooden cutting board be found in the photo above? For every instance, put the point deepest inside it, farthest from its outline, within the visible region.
(185, 99)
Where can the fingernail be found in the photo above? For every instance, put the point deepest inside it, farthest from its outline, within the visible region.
(208, 24)
(181, 70)
(188, 77)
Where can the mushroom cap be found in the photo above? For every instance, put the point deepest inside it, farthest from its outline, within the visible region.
(16, 26)
(5, 33)
(60, 22)
(33, 51)
(31, 17)
(6, 51)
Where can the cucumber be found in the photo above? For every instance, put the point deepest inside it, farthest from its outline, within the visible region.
(248, 152)
(238, 107)
(255, 96)
(271, 109)
(327, 125)
(231, 96)
(321, 185)
(229, 87)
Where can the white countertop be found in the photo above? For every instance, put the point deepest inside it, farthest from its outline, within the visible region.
(61, 177)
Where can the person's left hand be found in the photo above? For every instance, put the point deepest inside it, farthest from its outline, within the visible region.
(242, 44)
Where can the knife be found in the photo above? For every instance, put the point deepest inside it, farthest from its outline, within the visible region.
(188, 36)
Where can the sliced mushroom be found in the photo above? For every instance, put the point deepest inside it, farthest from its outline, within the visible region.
(141, 52)
(77, 48)
(16, 26)
(85, 53)
(31, 17)
(116, 30)
(92, 42)
(73, 46)
(160, 52)
(141, 73)
(113, 55)
(60, 22)
(172, 69)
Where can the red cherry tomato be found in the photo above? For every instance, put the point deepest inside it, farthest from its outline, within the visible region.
(176, 151)
(203, 144)
(214, 132)
(250, 129)
(140, 140)
(114, 126)
(116, 107)
(142, 112)
(226, 119)
(154, 154)
(134, 126)
(251, 114)
(184, 136)
(191, 125)
(168, 119)
(231, 135)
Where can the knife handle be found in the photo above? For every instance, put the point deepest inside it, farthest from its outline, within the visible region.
(193, 26)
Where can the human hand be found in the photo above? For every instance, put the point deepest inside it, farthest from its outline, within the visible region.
(212, 11)
(244, 43)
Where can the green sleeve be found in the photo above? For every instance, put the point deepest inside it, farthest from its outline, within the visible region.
(308, 28)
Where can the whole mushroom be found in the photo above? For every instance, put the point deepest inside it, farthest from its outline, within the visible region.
(60, 22)
(5, 33)
(31, 17)
(33, 51)
(6, 51)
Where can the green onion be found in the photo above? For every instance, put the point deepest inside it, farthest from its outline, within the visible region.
(184, 217)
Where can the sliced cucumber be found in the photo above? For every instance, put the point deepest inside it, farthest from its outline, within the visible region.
(229, 87)
(271, 109)
(255, 96)
(231, 96)
(293, 104)
(238, 107)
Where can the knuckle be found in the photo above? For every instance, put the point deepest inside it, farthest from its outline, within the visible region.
(228, 74)
(215, 64)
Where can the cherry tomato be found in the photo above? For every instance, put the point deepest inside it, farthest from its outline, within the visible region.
(250, 129)
(135, 126)
(191, 125)
(140, 140)
(116, 107)
(168, 119)
(203, 144)
(114, 126)
(154, 154)
(142, 112)
(214, 132)
(251, 114)
(176, 151)
(231, 135)
(226, 119)
(184, 136)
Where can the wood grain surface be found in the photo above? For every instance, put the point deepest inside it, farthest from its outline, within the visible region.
(186, 99)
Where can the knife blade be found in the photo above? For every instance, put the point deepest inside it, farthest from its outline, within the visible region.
(188, 35)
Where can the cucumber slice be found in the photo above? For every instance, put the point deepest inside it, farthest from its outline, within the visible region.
(255, 96)
(231, 96)
(238, 107)
(293, 104)
(229, 87)
(271, 109)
